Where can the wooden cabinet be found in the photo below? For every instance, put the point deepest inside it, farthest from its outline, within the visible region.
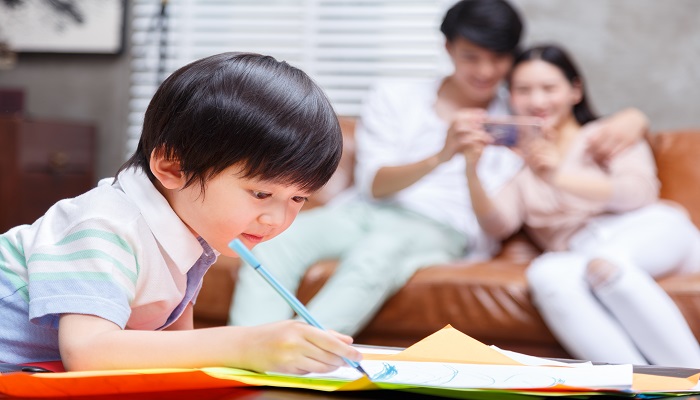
(42, 162)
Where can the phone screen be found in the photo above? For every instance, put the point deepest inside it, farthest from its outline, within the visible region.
(511, 131)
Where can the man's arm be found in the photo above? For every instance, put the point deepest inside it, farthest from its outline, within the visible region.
(390, 180)
(617, 132)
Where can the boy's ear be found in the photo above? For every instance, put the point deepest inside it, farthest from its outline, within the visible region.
(166, 170)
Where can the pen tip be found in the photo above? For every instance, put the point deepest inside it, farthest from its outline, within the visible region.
(359, 368)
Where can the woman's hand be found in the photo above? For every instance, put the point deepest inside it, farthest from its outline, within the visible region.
(542, 156)
(296, 347)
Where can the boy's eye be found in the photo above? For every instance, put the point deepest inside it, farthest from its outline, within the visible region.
(261, 195)
(300, 199)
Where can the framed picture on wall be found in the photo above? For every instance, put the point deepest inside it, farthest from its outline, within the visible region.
(63, 26)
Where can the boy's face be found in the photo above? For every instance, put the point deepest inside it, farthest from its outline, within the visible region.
(478, 72)
(232, 207)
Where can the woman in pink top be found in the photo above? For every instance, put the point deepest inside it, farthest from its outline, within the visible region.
(605, 233)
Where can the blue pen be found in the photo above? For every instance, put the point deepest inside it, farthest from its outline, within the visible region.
(293, 302)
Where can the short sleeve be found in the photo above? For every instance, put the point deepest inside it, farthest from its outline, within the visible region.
(90, 269)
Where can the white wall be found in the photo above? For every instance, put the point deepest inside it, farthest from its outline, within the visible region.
(643, 53)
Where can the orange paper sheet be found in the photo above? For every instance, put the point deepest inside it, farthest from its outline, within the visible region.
(68, 384)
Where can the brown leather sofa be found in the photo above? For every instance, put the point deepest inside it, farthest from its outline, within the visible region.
(487, 300)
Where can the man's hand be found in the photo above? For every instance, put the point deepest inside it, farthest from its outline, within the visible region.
(466, 135)
(464, 125)
(613, 134)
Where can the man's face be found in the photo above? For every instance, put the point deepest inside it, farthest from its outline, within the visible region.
(478, 71)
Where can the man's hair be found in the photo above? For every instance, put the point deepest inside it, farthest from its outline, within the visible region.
(491, 24)
(558, 57)
(247, 109)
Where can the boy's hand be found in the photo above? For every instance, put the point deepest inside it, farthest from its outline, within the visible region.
(296, 347)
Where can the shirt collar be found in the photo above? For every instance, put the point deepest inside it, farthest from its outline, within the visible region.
(170, 232)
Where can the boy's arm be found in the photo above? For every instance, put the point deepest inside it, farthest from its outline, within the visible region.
(186, 320)
(617, 132)
(88, 342)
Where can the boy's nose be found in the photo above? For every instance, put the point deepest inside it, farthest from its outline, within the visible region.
(273, 216)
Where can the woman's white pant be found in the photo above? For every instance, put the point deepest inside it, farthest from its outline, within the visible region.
(629, 318)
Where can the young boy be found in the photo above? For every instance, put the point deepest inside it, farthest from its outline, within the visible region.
(232, 145)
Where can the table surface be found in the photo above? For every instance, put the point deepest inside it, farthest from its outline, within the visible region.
(272, 393)
(265, 393)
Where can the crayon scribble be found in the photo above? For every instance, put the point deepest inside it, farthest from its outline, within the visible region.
(388, 371)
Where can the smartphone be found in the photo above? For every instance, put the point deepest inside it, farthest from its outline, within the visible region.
(509, 131)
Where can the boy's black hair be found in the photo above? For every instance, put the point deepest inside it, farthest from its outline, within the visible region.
(558, 57)
(242, 108)
(491, 24)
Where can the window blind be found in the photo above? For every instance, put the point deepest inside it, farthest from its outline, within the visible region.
(343, 45)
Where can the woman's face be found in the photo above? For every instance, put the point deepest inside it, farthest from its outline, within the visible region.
(540, 89)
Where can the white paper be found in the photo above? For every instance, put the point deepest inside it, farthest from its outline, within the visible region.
(479, 376)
